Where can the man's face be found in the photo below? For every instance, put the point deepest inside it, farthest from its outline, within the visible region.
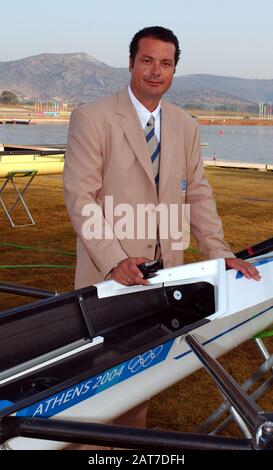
(152, 70)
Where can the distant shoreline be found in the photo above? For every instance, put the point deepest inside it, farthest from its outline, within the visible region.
(218, 121)
(34, 120)
(20, 113)
(201, 121)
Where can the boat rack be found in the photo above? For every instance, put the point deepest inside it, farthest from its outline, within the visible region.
(22, 174)
(11, 178)
(265, 367)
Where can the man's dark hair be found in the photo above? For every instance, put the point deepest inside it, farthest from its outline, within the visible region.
(156, 32)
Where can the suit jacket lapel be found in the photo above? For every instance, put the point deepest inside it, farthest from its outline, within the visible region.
(129, 122)
(167, 147)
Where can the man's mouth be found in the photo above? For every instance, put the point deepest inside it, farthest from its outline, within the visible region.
(153, 82)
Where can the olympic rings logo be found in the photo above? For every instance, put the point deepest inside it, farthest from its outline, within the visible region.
(144, 360)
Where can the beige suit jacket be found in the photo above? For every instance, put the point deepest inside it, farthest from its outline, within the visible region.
(107, 155)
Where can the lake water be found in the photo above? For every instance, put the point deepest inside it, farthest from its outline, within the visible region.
(33, 134)
(237, 143)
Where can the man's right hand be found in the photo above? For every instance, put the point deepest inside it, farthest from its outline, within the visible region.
(127, 272)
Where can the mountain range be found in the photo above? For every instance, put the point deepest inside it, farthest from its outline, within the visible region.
(79, 77)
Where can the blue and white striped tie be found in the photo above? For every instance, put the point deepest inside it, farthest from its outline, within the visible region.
(153, 146)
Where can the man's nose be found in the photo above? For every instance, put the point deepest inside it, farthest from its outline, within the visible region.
(156, 69)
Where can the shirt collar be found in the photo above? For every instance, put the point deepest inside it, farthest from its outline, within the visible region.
(143, 113)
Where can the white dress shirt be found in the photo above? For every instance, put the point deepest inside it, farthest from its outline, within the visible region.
(144, 114)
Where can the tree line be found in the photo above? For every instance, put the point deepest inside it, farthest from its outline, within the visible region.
(8, 97)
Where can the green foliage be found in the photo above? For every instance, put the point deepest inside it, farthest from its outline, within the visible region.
(8, 97)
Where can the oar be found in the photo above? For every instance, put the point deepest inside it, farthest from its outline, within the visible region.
(256, 250)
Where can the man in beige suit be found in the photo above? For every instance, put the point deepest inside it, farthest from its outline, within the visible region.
(108, 157)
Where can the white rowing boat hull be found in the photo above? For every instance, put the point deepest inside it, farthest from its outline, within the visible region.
(243, 308)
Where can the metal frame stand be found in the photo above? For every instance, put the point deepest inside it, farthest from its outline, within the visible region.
(20, 195)
(226, 407)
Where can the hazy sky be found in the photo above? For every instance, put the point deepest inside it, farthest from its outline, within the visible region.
(223, 37)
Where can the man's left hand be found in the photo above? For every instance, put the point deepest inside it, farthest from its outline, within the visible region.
(247, 269)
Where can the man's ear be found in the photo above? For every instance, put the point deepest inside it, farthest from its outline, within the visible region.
(131, 64)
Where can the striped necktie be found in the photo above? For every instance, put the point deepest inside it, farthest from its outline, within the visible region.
(153, 146)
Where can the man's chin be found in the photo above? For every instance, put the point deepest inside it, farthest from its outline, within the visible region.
(155, 90)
